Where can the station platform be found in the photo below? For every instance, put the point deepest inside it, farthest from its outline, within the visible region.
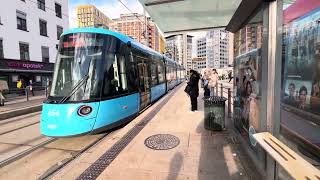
(200, 154)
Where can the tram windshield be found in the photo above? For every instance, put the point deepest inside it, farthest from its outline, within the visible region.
(77, 58)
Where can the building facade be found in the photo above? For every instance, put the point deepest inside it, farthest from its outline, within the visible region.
(202, 47)
(162, 44)
(179, 48)
(90, 16)
(138, 27)
(215, 48)
(29, 36)
(199, 64)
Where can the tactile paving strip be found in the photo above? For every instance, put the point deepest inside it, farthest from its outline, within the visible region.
(93, 171)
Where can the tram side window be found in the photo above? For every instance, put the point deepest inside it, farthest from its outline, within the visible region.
(160, 73)
(115, 79)
(168, 73)
(132, 76)
(154, 74)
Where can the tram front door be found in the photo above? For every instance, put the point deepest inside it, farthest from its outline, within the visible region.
(144, 82)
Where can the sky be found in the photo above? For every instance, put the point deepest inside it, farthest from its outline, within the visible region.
(113, 9)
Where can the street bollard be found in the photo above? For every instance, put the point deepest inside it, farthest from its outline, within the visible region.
(229, 102)
(27, 94)
(46, 90)
(221, 90)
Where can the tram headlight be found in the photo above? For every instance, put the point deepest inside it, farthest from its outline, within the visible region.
(84, 110)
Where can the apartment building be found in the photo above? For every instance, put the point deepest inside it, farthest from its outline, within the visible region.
(90, 16)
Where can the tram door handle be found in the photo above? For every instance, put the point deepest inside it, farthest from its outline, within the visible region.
(125, 107)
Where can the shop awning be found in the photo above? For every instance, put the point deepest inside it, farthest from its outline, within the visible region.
(188, 15)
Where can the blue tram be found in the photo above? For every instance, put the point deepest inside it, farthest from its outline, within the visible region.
(103, 79)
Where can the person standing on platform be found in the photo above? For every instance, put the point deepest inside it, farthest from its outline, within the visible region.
(194, 89)
(213, 81)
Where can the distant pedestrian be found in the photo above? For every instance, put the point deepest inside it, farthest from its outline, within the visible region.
(230, 76)
(2, 98)
(205, 81)
(194, 89)
(31, 87)
(213, 81)
(19, 87)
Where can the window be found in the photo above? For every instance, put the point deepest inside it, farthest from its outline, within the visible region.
(154, 73)
(58, 10)
(21, 21)
(300, 102)
(24, 51)
(1, 49)
(115, 81)
(45, 54)
(59, 32)
(43, 27)
(42, 4)
(161, 73)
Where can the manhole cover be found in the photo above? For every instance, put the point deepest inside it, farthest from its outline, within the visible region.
(162, 141)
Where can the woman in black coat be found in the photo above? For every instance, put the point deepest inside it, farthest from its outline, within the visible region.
(194, 89)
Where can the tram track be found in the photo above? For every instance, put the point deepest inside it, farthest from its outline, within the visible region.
(51, 172)
(17, 123)
(67, 150)
(25, 153)
(12, 130)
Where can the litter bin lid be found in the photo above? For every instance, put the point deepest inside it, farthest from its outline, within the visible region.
(214, 99)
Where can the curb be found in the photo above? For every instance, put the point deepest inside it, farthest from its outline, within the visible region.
(18, 112)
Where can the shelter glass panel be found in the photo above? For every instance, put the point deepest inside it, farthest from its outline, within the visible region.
(300, 103)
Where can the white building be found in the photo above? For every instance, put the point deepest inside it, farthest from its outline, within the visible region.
(199, 64)
(29, 31)
(202, 47)
(20, 24)
(215, 48)
(179, 48)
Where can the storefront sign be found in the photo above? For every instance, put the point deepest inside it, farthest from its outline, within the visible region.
(25, 65)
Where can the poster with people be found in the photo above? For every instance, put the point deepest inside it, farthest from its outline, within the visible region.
(247, 91)
(301, 85)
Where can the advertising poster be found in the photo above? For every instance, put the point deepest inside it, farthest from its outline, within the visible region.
(301, 86)
(248, 91)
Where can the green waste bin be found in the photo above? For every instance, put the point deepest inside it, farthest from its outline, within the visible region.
(214, 113)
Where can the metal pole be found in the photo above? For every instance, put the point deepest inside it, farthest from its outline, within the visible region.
(217, 90)
(229, 103)
(221, 90)
(46, 90)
